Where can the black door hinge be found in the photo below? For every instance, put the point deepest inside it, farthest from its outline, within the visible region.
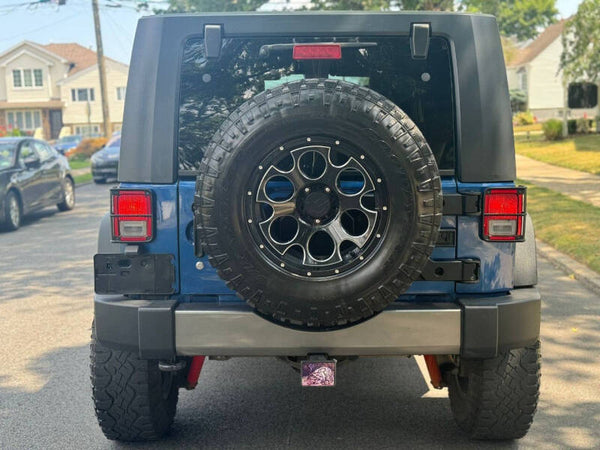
(462, 204)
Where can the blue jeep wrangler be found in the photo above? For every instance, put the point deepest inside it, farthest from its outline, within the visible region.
(317, 187)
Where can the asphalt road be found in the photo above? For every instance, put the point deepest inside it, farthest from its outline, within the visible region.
(45, 316)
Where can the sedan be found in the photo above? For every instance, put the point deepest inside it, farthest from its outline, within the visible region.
(32, 176)
(105, 162)
(66, 143)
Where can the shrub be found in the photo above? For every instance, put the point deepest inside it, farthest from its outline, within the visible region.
(524, 118)
(553, 129)
(572, 126)
(87, 147)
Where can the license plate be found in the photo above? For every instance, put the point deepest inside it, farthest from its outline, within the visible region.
(318, 373)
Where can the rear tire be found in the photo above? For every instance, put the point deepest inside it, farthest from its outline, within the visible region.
(133, 399)
(100, 180)
(497, 398)
(13, 212)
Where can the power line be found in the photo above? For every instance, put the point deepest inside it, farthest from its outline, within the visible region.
(39, 28)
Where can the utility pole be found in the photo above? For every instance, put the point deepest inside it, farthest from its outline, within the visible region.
(101, 69)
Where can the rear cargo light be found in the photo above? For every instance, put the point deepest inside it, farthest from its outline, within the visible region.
(317, 51)
(504, 214)
(131, 214)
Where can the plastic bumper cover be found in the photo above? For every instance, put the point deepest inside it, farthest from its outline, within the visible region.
(474, 327)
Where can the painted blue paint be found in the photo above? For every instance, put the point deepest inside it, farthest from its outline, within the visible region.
(194, 281)
(166, 222)
(497, 258)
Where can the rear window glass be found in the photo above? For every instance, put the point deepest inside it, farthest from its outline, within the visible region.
(211, 89)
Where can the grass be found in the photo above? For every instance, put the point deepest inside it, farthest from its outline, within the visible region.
(524, 128)
(82, 178)
(79, 164)
(576, 152)
(568, 225)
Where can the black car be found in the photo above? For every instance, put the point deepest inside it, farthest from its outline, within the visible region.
(32, 176)
(105, 162)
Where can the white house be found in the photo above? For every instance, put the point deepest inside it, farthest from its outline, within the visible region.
(55, 85)
(535, 71)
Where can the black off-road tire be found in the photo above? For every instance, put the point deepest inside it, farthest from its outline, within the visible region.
(497, 398)
(131, 400)
(333, 111)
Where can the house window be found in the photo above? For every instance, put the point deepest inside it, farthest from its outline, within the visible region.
(27, 120)
(523, 80)
(28, 78)
(87, 130)
(17, 78)
(82, 95)
(121, 93)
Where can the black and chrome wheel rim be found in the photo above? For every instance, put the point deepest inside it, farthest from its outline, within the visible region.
(317, 207)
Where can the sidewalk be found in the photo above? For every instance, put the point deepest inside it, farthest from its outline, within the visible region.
(578, 185)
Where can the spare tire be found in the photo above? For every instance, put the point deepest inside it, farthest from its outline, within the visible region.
(318, 202)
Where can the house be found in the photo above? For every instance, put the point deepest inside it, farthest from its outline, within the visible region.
(535, 71)
(52, 86)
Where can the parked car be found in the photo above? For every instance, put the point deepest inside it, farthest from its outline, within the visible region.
(317, 188)
(32, 176)
(105, 162)
(66, 143)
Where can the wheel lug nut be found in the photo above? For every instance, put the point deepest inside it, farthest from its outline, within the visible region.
(249, 192)
(317, 220)
(306, 189)
(361, 257)
(362, 156)
(385, 208)
(308, 139)
(249, 220)
(379, 180)
(327, 189)
(282, 265)
(337, 142)
(308, 274)
(337, 270)
(261, 246)
(260, 167)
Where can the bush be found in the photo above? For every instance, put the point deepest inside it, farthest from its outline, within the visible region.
(87, 147)
(524, 118)
(553, 129)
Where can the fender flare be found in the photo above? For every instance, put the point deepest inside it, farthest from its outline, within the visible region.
(525, 267)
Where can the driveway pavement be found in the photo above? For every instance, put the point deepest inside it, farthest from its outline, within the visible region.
(578, 185)
(45, 398)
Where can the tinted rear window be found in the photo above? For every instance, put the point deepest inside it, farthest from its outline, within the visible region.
(211, 89)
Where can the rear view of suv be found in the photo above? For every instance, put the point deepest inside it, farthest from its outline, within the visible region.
(317, 187)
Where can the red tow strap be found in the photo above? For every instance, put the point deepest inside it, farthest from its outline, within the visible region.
(194, 372)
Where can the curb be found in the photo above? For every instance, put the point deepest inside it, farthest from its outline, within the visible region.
(585, 275)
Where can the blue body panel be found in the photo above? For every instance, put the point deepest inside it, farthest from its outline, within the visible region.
(497, 258)
(204, 284)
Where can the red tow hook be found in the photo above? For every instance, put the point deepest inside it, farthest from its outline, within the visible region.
(434, 371)
(194, 372)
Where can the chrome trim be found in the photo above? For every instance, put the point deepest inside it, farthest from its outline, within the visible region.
(237, 331)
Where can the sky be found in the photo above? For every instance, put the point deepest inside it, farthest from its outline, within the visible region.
(73, 22)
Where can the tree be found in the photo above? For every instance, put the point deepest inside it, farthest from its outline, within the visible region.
(580, 60)
(181, 6)
(519, 18)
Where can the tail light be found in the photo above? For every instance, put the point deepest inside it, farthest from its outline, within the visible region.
(131, 214)
(504, 214)
(317, 51)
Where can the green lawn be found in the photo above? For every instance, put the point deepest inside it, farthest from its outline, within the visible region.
(83, 178)
(79, 164)
(578, 152)
(568, 225)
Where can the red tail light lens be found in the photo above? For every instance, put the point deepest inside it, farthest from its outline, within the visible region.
(317, 51)
(504, 214)
(132, 217)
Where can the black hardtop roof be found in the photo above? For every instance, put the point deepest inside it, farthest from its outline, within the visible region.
(485, 146)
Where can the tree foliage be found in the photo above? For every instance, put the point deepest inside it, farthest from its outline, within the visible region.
(183, 6)
(580, 59)
(520, 18)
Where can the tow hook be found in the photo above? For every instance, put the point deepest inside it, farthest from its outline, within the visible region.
(434, 371)
(194, 372)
